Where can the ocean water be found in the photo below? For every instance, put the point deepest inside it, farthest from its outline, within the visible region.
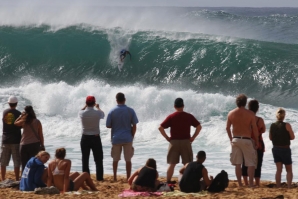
(53, 58)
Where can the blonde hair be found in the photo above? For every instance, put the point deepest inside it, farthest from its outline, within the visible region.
(280, 114)
(42, 153)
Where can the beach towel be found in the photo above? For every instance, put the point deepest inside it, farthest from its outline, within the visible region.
(182, 194)
(8, 183)
(131, 193)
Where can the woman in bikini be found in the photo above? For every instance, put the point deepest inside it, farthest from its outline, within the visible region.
(59, 174)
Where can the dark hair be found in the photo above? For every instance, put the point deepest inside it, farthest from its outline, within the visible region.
(253, 105)
(30, 114)
(178, 103)
(201, 155)
(60, 153)
(13, 105)
(151, 163)
(90, 104)
(120, 97)
(241, 100)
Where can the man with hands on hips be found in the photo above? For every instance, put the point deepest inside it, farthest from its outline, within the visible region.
(180, 141)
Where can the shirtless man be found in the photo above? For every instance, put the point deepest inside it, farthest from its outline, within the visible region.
(243, 122)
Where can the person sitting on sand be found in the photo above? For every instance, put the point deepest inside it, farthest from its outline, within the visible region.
(192, 173)
(59, 174)
(35, 173)
(145, 178)
(281, 134)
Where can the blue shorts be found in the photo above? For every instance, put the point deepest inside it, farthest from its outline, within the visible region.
(283, 155)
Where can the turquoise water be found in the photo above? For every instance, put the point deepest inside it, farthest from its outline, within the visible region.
(205, 55)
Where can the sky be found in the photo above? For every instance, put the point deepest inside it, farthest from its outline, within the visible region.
(184, 3)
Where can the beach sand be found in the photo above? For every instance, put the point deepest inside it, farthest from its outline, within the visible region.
(110, 189)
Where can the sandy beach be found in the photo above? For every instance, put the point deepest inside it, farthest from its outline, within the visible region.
(110, 189)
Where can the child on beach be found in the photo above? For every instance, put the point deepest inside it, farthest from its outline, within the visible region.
(145, 178)
(59, 174)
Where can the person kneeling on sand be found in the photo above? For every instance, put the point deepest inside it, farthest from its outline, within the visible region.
(35, 173)
(145, 178)
(192, 173)
(59, 174)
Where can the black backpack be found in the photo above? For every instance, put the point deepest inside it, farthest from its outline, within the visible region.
(220, 182)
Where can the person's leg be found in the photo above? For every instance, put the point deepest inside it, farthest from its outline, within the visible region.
(3, 172)
(170, 171)
(79, 181)
(289, 175)
(278, 173)
(259, 167)
(15, 152)
(238, 173)
(5, 157)
(85, 149)
(128, 152)
(244, 173)
(98, 157)
(251, 174)
(23, 155)
(74, 175)
(115, 167)
(128, 169)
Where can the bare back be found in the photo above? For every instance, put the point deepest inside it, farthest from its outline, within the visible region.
(58, 179)
(242, 121)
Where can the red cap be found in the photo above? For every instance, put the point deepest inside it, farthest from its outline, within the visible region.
(90, 99)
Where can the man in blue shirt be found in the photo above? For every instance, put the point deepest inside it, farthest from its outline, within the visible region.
(91, 136)
(123, 122)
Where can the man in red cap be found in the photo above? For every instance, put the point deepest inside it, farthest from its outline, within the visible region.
(90, 136)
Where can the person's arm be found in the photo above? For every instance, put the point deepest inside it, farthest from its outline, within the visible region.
(228, 128)
(255, 130)
(270, 134)
(134, 130)
(261, 125)
(206, 178)
(291, 132)
(198, 129)
(84, 107)
(66, 176)
(163, 133)
(20, 121)
(40, 133)
(50, 176)
(181, 171)
(132, 177)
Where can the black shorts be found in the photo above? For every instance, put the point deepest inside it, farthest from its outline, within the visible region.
(283, 155)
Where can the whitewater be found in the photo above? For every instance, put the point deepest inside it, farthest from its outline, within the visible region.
(53, 59)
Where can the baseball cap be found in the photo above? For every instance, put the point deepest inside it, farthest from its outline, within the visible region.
(178, 102)
(12, 100)
(90, 99)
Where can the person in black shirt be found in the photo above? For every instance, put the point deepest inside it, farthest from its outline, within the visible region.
(145, 178)
(192, 173)
(11, 138)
